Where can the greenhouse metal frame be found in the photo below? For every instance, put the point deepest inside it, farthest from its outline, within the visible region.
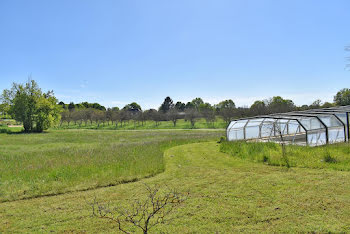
(310, 127)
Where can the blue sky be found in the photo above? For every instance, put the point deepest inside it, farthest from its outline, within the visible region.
(118, 51)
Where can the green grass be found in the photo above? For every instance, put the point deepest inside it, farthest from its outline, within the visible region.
(6, 129)
(56, 162)
(131, 125)
(335, 156)
(4, 126)
(227, 195)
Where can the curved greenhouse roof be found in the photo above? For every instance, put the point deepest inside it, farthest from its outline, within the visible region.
(311, 127)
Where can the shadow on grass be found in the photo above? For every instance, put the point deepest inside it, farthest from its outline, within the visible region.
(10, 132)
(5, 130)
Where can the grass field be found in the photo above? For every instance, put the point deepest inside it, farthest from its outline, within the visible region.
(4, 126)
(9, 130)
(131, 125)
(56, 162)
(227, 194)
(234, 186)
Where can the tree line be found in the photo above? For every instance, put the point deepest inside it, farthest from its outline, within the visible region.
(85, 113)
(38, 110)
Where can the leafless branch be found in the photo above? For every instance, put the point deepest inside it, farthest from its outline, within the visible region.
(143, 214)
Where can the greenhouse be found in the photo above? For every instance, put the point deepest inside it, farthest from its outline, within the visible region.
(311, 127)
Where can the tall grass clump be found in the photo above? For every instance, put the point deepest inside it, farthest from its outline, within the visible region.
(328, 157)
(255, 151)
(335, 156)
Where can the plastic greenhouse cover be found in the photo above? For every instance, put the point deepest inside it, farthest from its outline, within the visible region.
(330, 121)
(240, 123)
(255, 122)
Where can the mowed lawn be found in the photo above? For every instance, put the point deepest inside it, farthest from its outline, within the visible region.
(55, 162)
(227, 194)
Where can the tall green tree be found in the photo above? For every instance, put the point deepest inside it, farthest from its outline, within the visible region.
(189, 105)
(98, 106)
(180, 106)
(62, 104)
(279, 105)
(166, 105)
(226, 104)
(258, 108)
(327, 105)
(71, 106)
(197, 102)
(226, 109)
(342, 97)
(29, 105)
(132, 107)
(316, 104)
(4, 109)
(47, 112)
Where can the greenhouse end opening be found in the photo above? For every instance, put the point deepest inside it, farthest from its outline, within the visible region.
(310, 127)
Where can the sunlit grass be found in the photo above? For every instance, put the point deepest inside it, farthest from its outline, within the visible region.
(56, 162)
(226, 195)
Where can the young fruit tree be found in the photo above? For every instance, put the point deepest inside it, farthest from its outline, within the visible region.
(173, 115)
(192, 115)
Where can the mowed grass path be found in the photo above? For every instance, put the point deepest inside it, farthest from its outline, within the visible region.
(56, 162)
(228, 194)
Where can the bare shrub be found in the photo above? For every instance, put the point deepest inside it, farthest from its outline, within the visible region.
(142, 214)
